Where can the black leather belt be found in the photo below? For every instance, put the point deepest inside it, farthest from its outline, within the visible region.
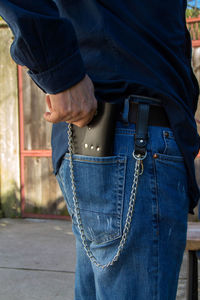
(157, 115)
(143, 111)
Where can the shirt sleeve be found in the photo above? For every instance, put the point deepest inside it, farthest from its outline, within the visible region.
(44, 42)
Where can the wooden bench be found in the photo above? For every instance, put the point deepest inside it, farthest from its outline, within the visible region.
(193, 244)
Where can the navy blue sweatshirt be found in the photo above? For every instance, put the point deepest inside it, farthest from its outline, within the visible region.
(125, 46)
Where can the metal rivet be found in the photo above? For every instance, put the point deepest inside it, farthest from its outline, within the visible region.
(91, 147)
(166, 134)
(98, 148)
(155, 155)
(141, 141)
(86, 145)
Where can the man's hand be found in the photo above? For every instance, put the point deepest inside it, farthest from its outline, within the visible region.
(76, 105)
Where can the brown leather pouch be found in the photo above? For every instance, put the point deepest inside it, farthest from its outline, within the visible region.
(96, 139)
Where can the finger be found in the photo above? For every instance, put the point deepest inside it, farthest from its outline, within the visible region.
(81, 117)
(48, 102)
(73, 119)
(84, 121)
(53, 117)
(56, 117)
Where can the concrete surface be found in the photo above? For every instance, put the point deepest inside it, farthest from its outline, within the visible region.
(37, 261)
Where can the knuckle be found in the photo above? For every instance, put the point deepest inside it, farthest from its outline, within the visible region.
(64, 113)
(87, 111)
(78, 112)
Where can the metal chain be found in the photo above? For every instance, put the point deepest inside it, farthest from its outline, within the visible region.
(138, 171)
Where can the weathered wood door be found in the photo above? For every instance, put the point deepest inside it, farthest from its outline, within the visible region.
(40, 193)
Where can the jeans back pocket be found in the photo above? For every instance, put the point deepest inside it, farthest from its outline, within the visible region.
(100, 192)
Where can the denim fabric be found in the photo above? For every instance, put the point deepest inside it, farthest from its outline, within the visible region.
(148, 267)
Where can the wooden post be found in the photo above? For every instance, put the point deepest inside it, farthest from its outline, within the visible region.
(9, 128)
(196, 68)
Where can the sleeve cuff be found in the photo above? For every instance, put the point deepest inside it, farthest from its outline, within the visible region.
(62, 76)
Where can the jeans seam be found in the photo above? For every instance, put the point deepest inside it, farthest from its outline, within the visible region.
(122, 180)
(155, 215)
(158, 231)
(165, 142)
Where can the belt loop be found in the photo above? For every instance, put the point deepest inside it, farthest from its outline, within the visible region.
(141, 135)
(125, 112)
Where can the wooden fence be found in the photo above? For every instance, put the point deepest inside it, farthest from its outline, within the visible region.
(193, 25)
(27, 186)
(9, 129)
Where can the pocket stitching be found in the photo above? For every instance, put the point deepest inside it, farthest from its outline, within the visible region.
(165, 157)
(96, 159)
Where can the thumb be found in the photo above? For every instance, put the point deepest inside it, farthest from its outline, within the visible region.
(48, 102)
(51, 117)
(48, 116)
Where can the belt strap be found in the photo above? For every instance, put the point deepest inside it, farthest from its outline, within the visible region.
(141, 135)
(157, 115)
(143, 111)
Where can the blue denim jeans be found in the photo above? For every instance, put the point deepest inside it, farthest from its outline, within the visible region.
(149, 265)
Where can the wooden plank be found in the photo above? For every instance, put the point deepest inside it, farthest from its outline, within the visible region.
(42, 192)
(193, 245)
(9, 130)
(196, 68)
(197, 170)
(196, 43)
(37, 132)
(192, 20)
(193, 236)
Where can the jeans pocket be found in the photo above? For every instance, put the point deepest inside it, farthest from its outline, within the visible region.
(99, 185)
(173, 195)
(165, 145)
(171, 147)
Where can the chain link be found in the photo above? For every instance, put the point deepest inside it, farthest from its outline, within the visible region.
(138, 171)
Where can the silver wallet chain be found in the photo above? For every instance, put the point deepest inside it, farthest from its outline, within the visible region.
(137, 172)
